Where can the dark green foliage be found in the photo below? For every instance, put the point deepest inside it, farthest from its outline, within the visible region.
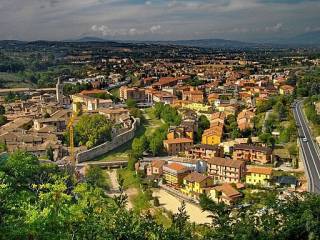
(2, 110)
(203, 124)
(3, 120)
(95, 177)
(167, 113)
(50, 153)
(92, 130)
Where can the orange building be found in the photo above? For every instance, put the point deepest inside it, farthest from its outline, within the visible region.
(177, 145)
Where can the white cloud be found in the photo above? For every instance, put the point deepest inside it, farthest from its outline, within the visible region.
(276, 28)
(155, 28)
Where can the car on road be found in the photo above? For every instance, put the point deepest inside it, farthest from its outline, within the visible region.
(305, 139)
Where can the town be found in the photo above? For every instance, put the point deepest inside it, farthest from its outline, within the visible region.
(219, 125)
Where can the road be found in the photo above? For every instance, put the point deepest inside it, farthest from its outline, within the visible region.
(310, 149)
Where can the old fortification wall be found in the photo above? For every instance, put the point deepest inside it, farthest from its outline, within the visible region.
(110, 145)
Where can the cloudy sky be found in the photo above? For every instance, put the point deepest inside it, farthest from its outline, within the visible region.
(250, 20)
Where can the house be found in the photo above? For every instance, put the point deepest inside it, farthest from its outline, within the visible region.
(224, 193)
(155, 168)
(195, 184)
(287, 181)
(217, 117)
(204, 151)
(245, 120)
(177, 145)
(286, 90)
(174, 173)
(213, 135)
(226, 170)
(258, 175)
(193, 96)
(252, 153)
(134, 93)
(180, 132)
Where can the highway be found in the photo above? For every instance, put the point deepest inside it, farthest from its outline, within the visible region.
(310, 149)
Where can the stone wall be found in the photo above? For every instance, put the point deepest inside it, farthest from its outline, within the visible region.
(110, 145)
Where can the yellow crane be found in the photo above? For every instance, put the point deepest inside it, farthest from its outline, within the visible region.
(71, 139)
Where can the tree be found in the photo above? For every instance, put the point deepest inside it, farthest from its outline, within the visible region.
(93, 130)
(3, 120)
(131, 103)
(203, 124)
(156, 145)
(95, 177)
(2, 110)
(50, 154)
(138, 147)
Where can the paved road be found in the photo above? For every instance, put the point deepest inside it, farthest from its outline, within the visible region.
(310, 149)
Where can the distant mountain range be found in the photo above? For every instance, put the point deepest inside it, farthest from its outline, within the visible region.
(310, 39)
(306, 39)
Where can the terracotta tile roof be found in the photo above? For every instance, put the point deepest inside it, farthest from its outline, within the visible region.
(259, 170)
(252, 147)
(93, 91)
(158, 163)
(196, 177)
(225, 162)
(178, 140)
(228, 190)
(177, 167)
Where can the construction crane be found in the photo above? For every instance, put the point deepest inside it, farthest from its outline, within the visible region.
(71, 138)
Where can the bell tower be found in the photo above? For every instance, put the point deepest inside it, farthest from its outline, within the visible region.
(59, 91)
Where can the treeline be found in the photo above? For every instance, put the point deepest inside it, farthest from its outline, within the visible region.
(41, 201)
(309, 83)
(279, 119)
(169, 114)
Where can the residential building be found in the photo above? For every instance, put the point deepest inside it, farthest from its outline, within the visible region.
(204, 151)
(177, 145)
(286, 90)
(224, 193)
(226, 170)
(174, 173)
(134, 93)
(213, 135)
(180, 132)
(252, 153)
(195, 184)
(258, 175)
(245, 120)
(155, 168)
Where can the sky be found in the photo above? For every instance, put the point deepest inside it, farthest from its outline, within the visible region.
(245, 20)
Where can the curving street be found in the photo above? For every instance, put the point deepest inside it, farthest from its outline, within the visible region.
(310, 149)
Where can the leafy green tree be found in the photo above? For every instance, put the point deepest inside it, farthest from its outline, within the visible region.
(3, 120)
(50, 154)
(95, 177)
(93, 130)
(2, 110)
(131, 103)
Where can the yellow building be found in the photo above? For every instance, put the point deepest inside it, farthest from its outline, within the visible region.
(195, 184)
(212, 136)
(258, 175)
(174, 173)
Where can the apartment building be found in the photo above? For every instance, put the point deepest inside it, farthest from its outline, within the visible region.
(252, 153)
(174, 173)
(177, 145)
(134, 93)
(204, 151)
(226, 170)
